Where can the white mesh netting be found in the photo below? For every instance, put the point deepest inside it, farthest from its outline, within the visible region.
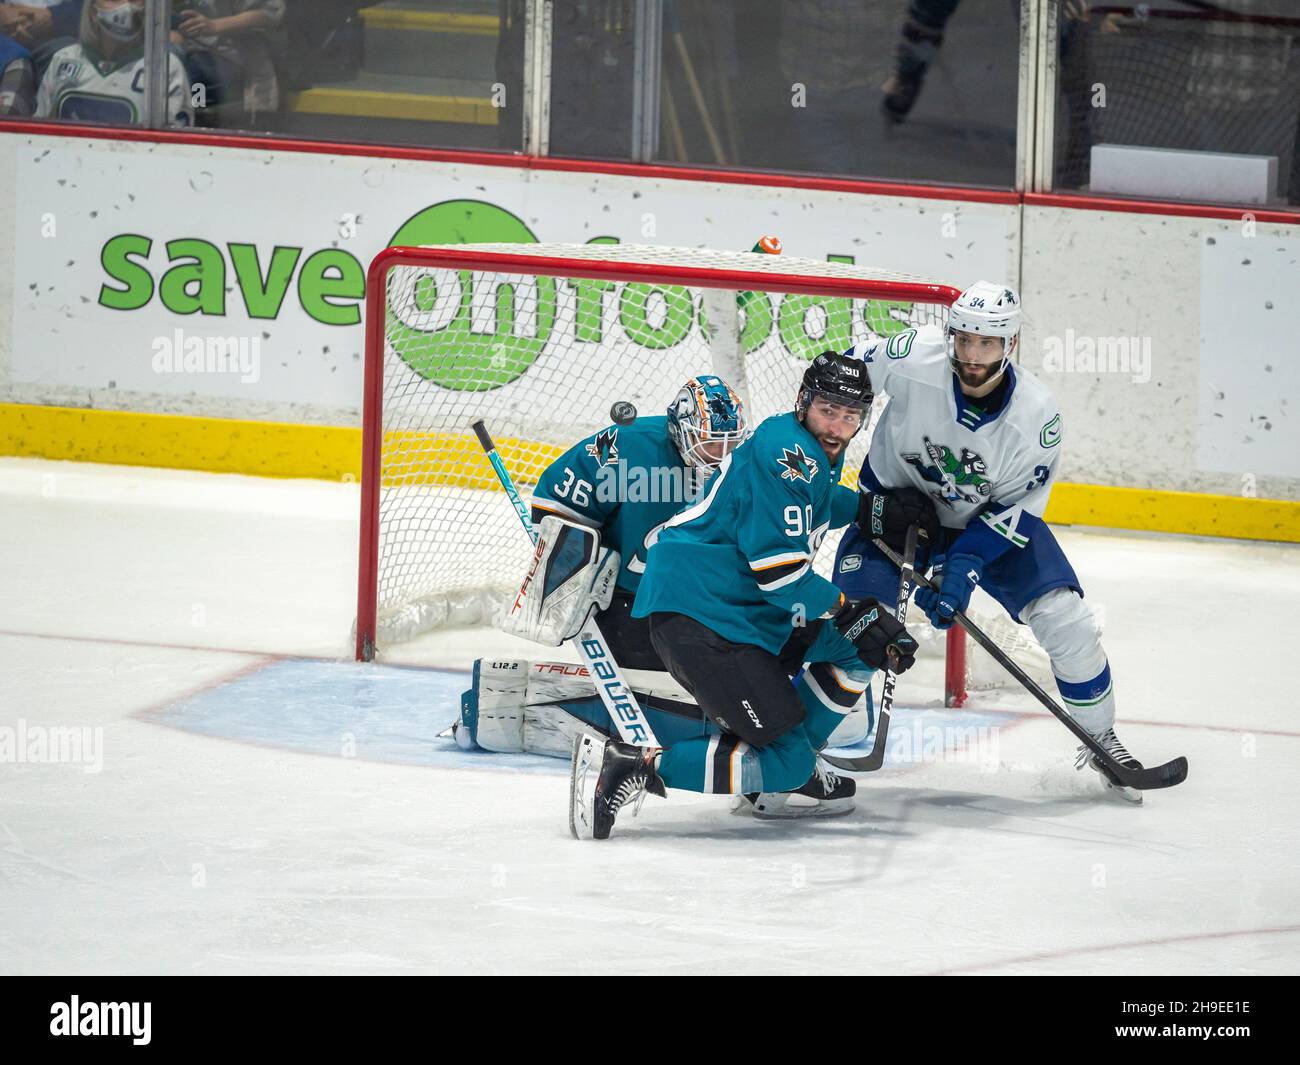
(541, 359)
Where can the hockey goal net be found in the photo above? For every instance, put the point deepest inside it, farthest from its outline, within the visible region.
(539, 341)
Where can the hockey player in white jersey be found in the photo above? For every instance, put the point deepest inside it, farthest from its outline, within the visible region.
(968, 448)
(101, 77)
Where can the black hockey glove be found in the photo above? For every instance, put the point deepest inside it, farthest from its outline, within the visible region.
(876, 634)
(888, 514)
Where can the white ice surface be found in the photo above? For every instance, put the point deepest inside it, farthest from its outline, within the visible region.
(125, 592)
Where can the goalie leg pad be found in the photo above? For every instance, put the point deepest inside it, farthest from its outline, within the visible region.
(520, 706)
(492, 711)
(570, 575)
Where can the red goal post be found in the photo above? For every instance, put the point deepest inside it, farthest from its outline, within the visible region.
(540, 340)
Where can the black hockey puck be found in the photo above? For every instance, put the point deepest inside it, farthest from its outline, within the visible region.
(622, 413)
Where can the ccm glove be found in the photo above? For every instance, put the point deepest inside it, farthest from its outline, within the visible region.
(876, 634)
(888, 514)
(956, 582)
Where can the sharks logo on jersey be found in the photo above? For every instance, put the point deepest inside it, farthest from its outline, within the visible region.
(959, 478)
(604, 449)
(796, 465)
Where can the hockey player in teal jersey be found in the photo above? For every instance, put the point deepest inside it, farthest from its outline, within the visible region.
(598, 508)
(735, 610)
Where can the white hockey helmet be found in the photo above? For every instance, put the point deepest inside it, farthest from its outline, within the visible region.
(986, 309)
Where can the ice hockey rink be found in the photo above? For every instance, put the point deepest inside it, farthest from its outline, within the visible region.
(245, 798)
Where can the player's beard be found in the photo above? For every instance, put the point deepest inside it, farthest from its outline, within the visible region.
(976, 377)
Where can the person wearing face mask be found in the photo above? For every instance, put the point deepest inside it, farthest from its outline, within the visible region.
(101, 78)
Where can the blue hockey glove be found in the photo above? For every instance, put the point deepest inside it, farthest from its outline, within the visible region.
(960, 575)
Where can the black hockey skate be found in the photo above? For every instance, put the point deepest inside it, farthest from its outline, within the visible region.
(831, 793)
(605, 776)
(1110, 744)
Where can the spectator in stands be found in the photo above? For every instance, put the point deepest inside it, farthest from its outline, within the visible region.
(34, 22)
(228, 47)
(101, 77)
(30, 32)
(17, 78)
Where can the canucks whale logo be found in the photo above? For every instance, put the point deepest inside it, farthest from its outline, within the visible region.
(959, 478)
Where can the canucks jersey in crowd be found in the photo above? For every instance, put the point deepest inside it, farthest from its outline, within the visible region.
(740, 559)
(101, 78)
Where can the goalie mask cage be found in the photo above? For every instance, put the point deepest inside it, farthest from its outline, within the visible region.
(540, 340)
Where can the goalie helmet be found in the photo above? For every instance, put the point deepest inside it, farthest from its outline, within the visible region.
(985, 309)
(706, 421)
(838, 378)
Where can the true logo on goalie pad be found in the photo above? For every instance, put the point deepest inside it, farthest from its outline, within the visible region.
(564, 669)
(528, 577)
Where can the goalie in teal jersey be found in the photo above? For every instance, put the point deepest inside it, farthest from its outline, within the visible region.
(735, 610)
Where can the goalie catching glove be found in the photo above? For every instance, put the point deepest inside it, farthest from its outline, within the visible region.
(570, 576)
(876, 634)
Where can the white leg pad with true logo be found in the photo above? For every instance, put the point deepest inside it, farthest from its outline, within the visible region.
(518, 704)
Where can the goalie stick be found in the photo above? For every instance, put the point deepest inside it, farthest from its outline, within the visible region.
(1161, 776)
(624, 710)
(873, 761)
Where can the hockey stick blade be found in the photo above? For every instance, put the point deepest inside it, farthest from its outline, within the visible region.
(867, 764)
(1161, 776)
